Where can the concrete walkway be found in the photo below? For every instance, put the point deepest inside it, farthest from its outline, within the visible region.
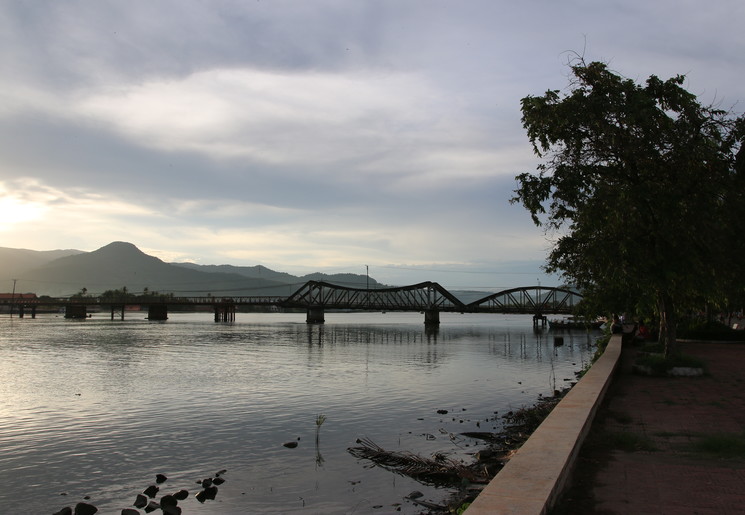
(659, 421)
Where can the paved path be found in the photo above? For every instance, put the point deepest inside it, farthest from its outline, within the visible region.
(666, 417)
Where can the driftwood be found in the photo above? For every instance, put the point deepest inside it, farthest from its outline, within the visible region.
(438, 470)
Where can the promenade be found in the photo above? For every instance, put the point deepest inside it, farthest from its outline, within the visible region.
(643, 453)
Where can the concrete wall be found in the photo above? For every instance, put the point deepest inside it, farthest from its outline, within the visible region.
(534, 479)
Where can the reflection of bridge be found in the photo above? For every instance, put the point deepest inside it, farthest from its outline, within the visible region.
(316, 297)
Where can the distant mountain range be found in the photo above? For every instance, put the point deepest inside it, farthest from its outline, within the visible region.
(122, 265)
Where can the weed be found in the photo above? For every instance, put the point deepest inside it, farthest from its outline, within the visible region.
(660, 365)
(621, 418)
(723, 445)
(629, 442)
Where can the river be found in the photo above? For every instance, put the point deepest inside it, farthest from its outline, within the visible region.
(91, 410)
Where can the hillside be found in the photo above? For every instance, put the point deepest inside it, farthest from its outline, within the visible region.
(15, 262)
(120, 264)
(262, 272)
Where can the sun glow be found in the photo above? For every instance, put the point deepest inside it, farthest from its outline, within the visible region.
(14, 211)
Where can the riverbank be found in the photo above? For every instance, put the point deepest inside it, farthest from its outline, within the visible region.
(667, 445)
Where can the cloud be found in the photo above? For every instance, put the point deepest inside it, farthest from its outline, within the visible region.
(322, 134)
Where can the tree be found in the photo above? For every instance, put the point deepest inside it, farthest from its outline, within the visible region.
(633, 188)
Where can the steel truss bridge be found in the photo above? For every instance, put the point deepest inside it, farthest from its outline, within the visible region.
(316, 297)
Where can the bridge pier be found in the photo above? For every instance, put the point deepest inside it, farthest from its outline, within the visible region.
(157, 312)
(315, 315)
(76, 311)
(432, 317)
(539, 318)
(224, 312)
(121, 311)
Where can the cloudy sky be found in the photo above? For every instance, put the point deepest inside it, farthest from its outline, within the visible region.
(314, 135)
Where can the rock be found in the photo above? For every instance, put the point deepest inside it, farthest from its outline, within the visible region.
(140, 501)
(150, 491)
(442, 411)
(171, 510)
(130, 511)
(206, 483)
(218, 480)
(207, 494)
(83, 508)
(290, 445)
(160, 478)
(152, 506)
(211, 492)
(181, 495)
(220, 472)
(168, 500)
(416, 494)
(64, 511)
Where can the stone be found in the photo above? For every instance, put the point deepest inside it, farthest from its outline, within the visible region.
(168, 500)
(83, 508)
(150, 491)
(140, 501)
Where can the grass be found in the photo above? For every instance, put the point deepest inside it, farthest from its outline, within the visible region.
(620, 440)
(723, 445)
(620, 417)
(710, 331)
(660, 365)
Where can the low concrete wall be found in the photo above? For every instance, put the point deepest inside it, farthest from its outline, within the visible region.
(534, 479)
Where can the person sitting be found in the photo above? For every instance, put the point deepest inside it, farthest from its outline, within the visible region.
(642, 332)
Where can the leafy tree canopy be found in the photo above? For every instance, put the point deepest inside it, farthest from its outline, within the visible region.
(636, 185)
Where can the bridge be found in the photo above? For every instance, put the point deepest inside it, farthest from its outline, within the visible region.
(316, 297)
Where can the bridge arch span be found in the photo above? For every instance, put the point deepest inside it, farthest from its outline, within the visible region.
(536, 300)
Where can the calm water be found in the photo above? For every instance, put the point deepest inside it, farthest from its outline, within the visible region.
(97, 408)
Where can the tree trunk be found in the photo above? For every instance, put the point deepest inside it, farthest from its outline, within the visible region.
(668, 324)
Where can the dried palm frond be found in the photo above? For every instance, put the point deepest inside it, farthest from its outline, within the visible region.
(437, 470)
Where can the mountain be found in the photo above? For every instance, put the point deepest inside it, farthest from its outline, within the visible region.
(262, 272)
(15, 262)
(122, 265)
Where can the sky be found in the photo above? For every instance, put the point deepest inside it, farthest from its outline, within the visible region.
(338, 136)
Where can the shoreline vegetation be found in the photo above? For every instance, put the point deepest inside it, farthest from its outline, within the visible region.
(468, 478)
